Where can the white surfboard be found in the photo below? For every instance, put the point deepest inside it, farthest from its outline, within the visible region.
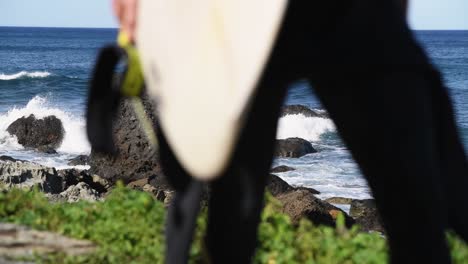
(202, 60)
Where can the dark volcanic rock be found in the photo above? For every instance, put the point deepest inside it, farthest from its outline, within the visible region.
(301, 110)
(80, 192)
(157, 186)
(303, 204)
(311, 190)
(7, 158)
(27, 175)
(136, 158)
(293, 148)
(42, 134)
(46, 149)
(366, 215)
(277, 186)
(71, 177)
(79, 160)
(339, 200)
(281, 168)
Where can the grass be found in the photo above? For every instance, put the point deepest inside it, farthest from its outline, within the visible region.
(128, 228)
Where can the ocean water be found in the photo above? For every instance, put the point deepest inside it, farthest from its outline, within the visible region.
(45, 71)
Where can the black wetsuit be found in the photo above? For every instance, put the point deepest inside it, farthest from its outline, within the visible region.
(390, 108)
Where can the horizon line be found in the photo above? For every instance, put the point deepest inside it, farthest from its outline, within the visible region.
(85, 27)
(72, 27)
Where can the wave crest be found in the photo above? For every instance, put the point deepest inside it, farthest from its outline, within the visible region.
(24, 74)
(308, 128)
(75, 140)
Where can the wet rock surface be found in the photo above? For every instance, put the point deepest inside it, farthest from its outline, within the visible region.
(29, 175)
(277, 186)
(301, 110)
(293, 148)
(282, 168)
(156, 186)
(366, 215)
(44, 134)
(8, 158)
(68, 185)
(72, 177)
(136, 158)
(78, 192)
(79, 160)
(302, 203)
(339, 200)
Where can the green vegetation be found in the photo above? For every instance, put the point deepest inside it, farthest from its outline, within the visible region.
(128, 228)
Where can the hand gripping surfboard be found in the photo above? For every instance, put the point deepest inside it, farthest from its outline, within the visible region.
(202, 60)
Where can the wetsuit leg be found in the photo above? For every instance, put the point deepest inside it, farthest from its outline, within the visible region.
(454, 176)
(236, 199)
(390, 133)
(375, 82)
(378, 86)
(184, 208)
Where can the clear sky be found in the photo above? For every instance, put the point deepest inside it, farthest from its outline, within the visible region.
(438, 14)
(424, 14)
(56, 13)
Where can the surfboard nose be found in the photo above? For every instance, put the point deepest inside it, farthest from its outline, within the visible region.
(208, 56)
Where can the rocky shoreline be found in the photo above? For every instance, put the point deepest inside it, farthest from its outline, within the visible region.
(72, 185)
(137, 166)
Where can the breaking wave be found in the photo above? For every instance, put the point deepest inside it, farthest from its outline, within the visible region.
(24, 74)
(75, 140)
(308, 128)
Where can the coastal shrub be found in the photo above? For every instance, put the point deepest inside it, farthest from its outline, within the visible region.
(128, 227)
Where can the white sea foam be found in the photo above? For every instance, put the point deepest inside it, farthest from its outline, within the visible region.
(333, 178)
(309, 128)
(331, 171)
(24, 74)
(74, 142)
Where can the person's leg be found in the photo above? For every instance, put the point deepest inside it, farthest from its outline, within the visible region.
(453, 159)
(184, 207)
(236, 198)
(377, 85)
(390, 133)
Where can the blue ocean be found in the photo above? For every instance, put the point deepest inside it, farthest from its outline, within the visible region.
(45, 71)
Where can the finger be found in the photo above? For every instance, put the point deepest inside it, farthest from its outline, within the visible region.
(117, 8)
(129, 19)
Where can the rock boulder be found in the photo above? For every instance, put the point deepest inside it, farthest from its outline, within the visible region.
(293, 148)
(282, 168)
(366, 215)
(79, 160)
(79, 192)
(302, 203)
(136, 158)
(339, 200)
(277, 186)
(301, 110)
(28, 175)
(42, 134)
